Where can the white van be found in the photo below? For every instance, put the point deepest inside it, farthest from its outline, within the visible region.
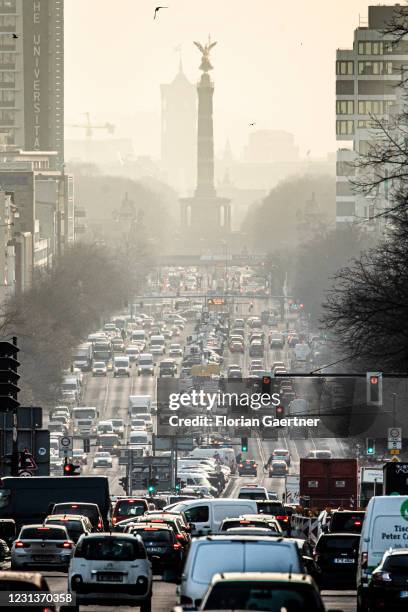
(385, 526)
(121, 366)
(139, 335)
(139, 440)
(190, 478)
(226, 455)
(206, 515)
(157, 344)
(146, 364)
(139, 404)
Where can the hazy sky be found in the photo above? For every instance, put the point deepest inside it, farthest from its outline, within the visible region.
(274, 64)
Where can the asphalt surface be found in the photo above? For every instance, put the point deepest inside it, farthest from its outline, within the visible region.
(110, 396)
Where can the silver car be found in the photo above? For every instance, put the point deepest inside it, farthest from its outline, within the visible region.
(42, 546)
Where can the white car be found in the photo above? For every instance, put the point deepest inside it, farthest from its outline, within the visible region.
(175, 350)
(253, 492)
(111, 569)
(102, 459)
(99, 369)
(104, 427)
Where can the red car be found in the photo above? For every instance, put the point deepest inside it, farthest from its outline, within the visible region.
(127, 508)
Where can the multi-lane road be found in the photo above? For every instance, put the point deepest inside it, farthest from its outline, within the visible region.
(110, 396)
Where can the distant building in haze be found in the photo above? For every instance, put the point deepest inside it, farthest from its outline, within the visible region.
(179, 132)
(32, 76)
(366, 80)
(265, 146)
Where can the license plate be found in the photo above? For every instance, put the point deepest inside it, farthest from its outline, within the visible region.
(403, 594)
(43, 558)
(109, 577)
(154, 549)
(344, 560)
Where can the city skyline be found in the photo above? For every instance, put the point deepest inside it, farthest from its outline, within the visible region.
(260, 45)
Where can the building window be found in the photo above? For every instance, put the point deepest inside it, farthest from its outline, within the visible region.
(377, 88)
(365, 147)
(344, 67)
(344, 107)
(7, 59)
(345, 209)
(343, 188)
(366, 124)
(344, 128)
(344, 88)
(374, 107)
(344, 168)
(7, 97)
(375, 47)
(374, 68)
(7, 77)
(7, 21)
(7, 117)
(8, 6)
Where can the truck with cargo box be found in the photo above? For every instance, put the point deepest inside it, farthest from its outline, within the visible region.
(329, 482)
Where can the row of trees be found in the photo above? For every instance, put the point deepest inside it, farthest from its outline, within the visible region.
(86, 285)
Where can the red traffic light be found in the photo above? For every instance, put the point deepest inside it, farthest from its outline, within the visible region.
(266, 380)
(280, 410)
(70, 469)
(374, 380)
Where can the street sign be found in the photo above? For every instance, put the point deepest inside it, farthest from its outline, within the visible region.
(66, 446)
(42, 451)
(394, 451)
(66, 442)
(394, 459)
(394, 438)
(24, 474)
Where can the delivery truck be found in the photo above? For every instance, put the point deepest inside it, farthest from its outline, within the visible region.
(329, 482)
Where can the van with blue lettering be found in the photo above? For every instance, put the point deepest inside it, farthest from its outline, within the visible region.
(385, 526)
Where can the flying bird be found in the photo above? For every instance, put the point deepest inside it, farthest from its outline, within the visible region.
(157, 9)
(251, 124)
(14, 36)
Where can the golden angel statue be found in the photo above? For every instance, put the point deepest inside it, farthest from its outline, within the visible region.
(205, 50)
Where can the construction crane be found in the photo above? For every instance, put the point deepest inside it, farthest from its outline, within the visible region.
(88, 127)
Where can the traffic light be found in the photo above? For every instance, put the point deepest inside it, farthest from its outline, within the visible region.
(71, 470)
(374, 389)
(370, 446)
(124, 481)
(266, 384)
(153, 484)
(244, 445)
(87, 445)
(178, 484)
(8, 376)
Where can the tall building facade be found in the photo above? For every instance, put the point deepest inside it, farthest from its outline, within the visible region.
(366, 84)
(179, 132)
(32, 76)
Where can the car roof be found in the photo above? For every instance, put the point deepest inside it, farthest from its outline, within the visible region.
(41, 526)
(263, 576)
(68, 517)
(142, 525)
(32, 577)
(246, 538)
(107, 536)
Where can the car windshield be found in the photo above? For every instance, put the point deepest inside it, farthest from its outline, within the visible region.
(42, 533)
(251, 495)
(109, 549)
(150, 534)
(264, 596)
(126, 508)
(99, 364)
(347, 522)
(340, 543)
(84, 413)
(73, 527)
(396, 562)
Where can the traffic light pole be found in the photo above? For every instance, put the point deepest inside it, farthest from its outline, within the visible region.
(14, 448)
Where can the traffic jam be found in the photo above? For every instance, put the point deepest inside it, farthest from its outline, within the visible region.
(221, 519)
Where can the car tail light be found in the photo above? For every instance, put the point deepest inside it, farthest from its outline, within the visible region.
(114, 520)
(381, 577)
(364, 560)
(283, 518)
(179, 536)
(357, 523)
(241, 465)
(177, 546)
(20, 544)
(244, 522)
(65, 545)
(100, 524)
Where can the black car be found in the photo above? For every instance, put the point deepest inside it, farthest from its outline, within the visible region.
(84, 508)
(163, 549)
(336, 556)
(346, 521)
(388, 586)
(248, 467)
